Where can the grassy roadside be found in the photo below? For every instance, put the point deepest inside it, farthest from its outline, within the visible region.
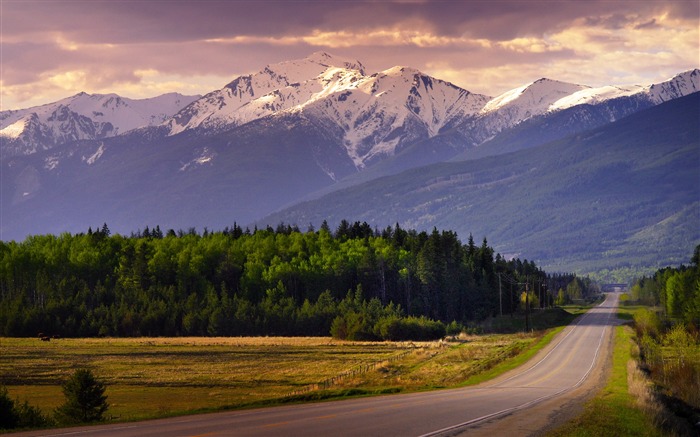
(614, 411)
(515, 361)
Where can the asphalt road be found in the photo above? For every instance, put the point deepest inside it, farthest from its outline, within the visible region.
(560, 368)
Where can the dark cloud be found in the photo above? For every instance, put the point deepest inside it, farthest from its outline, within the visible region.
(611, 22)
(132, 21)
(651, 24)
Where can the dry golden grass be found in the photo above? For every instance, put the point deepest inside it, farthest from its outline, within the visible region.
(154, 377)
(150, 377)
(641, 389)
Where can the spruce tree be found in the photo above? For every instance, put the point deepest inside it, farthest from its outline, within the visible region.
(85, 398)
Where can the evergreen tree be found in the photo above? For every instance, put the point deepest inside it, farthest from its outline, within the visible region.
(85, 399)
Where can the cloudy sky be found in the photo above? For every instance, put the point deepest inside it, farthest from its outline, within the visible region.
(52, 49)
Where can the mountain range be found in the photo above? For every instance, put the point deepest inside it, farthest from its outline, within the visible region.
(82, 117)
(291, 132)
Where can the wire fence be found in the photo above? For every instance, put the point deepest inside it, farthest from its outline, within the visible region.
(359, 370)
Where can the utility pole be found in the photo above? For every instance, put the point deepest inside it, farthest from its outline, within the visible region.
(527, 305)
(500, 295)
(512, 306)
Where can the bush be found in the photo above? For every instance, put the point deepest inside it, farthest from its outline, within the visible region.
(647, 322)
(31, 416)
(14, 414)
(355, 326)
(8, 413)
(85, 399)
(454, 328)
(410, 328)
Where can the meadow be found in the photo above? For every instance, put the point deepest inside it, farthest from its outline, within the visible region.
(158, 377)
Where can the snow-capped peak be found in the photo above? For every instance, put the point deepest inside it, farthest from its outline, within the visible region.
(380, 113)
(323, 58)
(535, 97)
(376, 113)
(83, 116)
(593, 96)
(275, 88)
(680, 85)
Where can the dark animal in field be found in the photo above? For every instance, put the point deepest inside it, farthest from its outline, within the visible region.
(45, 338)
(41, 334)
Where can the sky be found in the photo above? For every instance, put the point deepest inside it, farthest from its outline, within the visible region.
(52, 49)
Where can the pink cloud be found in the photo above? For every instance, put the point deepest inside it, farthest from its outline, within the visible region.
(110, 40)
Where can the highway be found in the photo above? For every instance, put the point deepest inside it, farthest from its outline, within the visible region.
(558, 369)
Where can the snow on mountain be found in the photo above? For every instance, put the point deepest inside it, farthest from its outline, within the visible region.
(369, 117)
(680, 85)
(546, 96)
(376, 113)
(594, 96)
(514, 106)
(83, 116)
(15, 129)
(380, 112)
(275, 88)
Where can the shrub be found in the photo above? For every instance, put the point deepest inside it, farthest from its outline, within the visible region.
(8, 412)
(14, 414)
(31, 416)
(454, 328)
(410, 328)
(647, 322)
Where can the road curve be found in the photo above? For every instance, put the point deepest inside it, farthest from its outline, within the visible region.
(560, 368)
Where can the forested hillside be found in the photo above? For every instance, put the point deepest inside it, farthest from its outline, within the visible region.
(361, 282)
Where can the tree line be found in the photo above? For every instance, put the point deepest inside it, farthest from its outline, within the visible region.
(354, 281)
(668, 336)
(676, 290)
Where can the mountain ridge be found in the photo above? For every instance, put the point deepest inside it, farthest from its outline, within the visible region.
(379, 115)
(82, 117)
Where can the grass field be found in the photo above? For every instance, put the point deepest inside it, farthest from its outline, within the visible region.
(158, 377)
(150, 377)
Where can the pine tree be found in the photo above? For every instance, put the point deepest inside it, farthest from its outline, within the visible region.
(85, 398)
